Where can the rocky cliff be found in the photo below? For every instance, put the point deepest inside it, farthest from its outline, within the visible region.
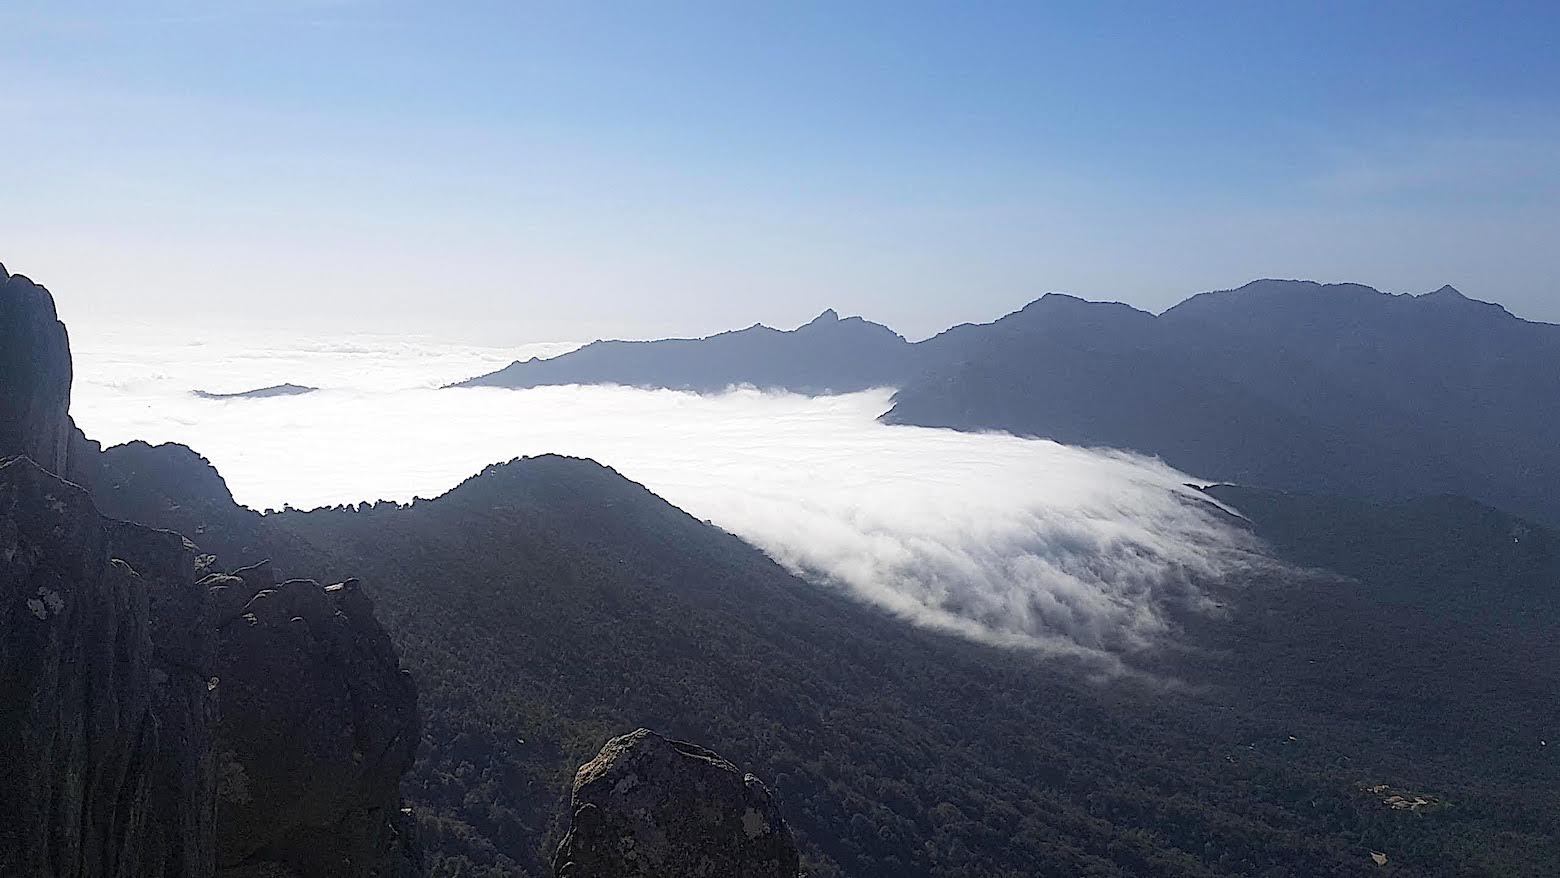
(158, 726)
(318, 725)
(106, 700)
(35, 373)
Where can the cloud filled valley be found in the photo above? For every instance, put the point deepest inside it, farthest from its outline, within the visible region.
(1002, 539)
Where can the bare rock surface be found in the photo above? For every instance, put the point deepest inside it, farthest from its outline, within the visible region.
(647, 807)
(156, 726)
(105, 701)
(35, 375)
(319, 722)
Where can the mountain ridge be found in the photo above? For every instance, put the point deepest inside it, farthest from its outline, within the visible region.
(1287, 384)
(826, 354)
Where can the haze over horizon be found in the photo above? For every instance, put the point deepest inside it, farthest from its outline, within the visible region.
(568, 172)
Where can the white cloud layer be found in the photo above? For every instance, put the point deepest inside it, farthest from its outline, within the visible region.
(1003, 539)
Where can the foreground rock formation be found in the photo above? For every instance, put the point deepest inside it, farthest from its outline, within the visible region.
(648, 807)
(133, 699)
(106, 702)
(318, 725)
(35, 374)
(241, 726)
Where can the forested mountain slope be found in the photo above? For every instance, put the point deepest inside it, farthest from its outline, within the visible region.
(1335, 388)
(548, 602)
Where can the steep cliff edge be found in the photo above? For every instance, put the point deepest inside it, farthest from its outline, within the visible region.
(318, 725)
(35, 374)
(106, 698)
(160, 726)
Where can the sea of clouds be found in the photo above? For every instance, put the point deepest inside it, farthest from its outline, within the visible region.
(1008, 540)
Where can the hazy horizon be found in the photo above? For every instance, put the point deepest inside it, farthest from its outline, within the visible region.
(509, 342)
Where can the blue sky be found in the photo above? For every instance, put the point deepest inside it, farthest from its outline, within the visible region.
(572, 170)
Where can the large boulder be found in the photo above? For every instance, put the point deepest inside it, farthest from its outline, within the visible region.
(106, 696)
(649, 807)
(318, 724)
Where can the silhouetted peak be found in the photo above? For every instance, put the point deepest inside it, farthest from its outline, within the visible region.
(1447, 293)
(828, 317)
(1304, 297)
(1056, 300)
(1449, 297)
(1274, 296)
(1307, 289)
(1070, 307)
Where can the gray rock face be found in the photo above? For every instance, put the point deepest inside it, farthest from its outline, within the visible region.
(35, 374)
(105, 702)
(647, 807)
(318, 724)
(115, 665)
(170, 486)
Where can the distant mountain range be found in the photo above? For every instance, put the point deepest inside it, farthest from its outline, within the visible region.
(826, 355)
(1336, 388)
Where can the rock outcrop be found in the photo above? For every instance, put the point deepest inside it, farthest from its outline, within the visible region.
(35, 374)
(647, 807)
(171, 486)
(318, 725)
(106, 700)
(157, 727)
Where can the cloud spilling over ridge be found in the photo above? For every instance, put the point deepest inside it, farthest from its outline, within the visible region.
(1002, 539)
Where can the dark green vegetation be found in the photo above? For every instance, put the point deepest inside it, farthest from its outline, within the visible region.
(548, 604)
(1334, 388)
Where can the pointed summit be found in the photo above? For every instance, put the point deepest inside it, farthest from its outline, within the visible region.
(1446, 293)
(828, 316)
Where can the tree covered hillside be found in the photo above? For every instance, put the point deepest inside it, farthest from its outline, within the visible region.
(548, 603)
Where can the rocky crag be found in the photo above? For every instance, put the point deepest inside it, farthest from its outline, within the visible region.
(161, 726)
(318, 725)
(647, 807)
(106, 696)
